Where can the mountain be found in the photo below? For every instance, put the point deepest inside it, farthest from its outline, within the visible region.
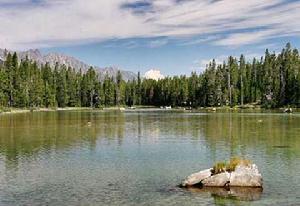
(52, 58)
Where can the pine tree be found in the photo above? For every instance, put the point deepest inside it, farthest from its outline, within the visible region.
(139, 89)
(61, 86)
(36, 86)
(118, 88)
(91, 82)
(3, 97)
(242, 74)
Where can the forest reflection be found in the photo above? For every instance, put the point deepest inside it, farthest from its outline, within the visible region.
(28, 134)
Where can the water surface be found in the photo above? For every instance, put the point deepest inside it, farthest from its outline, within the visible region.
(138, 158)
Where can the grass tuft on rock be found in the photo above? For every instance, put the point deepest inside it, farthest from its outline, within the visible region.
(235, 161)
(220, 167)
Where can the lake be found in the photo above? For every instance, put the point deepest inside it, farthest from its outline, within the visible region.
(139, 157)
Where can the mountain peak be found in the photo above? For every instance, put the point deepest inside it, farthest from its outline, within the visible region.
(62, 59)
(35, 51)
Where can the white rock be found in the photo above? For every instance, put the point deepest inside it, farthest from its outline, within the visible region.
(218, 180)
(196, 178)
(243, 176)
(246, 176)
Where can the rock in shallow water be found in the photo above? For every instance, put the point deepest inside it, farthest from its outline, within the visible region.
(246, 176)
(196, 178)
(243, 176)
(218, 180)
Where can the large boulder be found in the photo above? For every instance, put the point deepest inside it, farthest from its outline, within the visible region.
(218, 180)
(246, 176)
(196, 178)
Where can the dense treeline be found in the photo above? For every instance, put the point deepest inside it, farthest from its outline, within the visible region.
(272, 81)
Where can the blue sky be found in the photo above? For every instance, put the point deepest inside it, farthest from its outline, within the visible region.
(173, 36)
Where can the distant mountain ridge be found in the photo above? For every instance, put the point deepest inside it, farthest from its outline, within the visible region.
(69, 61)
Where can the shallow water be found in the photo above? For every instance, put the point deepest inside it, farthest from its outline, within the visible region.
(138, 158)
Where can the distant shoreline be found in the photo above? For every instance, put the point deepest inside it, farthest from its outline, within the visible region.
(239, 108)
(27, 110)
(13, 110)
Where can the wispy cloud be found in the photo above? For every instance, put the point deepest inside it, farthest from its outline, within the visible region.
(237, 39)
(200, 40)
(157, 43)
(46, 23)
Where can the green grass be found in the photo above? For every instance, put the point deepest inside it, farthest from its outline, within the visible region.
(235, 161)
(219, 167)
(5, 109)
(230, 166)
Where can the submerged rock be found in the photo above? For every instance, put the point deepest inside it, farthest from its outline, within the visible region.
(246, 193)
(242, 176)
(232, 193)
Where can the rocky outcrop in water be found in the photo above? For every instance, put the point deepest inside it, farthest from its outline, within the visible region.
(218, 180)
(246, 176)
(196, 178)
(242, 176)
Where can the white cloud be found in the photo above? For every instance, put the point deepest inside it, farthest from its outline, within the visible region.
(244, 38)
(59, 22)
(153, 74)
(67, 22)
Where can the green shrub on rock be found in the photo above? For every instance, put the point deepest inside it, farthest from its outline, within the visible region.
(220, 167)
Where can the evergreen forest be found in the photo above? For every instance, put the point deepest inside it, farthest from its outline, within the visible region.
(270, 81)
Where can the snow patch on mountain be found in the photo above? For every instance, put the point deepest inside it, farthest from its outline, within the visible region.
(154, 74)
